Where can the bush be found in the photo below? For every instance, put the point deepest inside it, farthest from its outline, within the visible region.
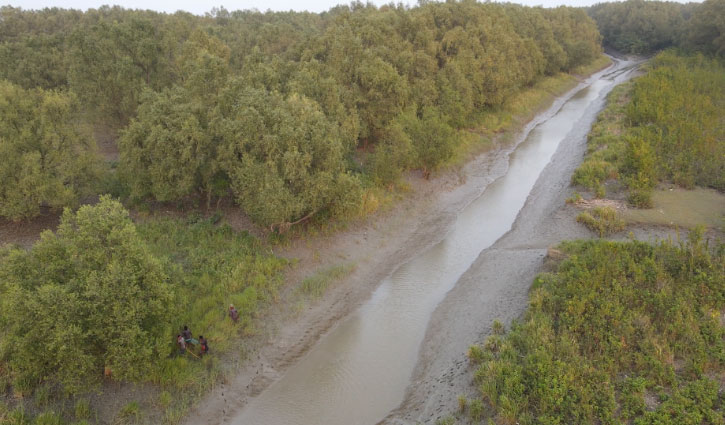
(603, 220)
(591, 174)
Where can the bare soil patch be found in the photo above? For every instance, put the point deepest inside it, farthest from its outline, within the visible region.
(25, 233)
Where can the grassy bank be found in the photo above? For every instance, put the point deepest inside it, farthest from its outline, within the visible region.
(662, 127)
(619, 333)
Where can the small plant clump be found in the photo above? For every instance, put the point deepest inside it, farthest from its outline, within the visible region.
(602, 220)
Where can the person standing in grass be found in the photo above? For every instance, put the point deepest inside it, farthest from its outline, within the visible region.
(204, 345)
(186, 333)
(181, 343)
(233, 313)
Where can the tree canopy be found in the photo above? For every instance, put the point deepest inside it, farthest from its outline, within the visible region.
(83, 298)
(48, 159)
(643, 27)
(293, 109)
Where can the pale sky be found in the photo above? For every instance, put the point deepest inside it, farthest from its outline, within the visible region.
(200, 7)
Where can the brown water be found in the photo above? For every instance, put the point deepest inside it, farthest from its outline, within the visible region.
(359, 371)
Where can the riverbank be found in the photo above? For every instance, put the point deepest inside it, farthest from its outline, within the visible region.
(496, 286)
(374, 249)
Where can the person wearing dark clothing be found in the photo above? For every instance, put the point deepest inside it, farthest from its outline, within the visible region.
(233, 313)
(204, 345)
(186, 333)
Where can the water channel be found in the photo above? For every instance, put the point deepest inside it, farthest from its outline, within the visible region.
(359, 371)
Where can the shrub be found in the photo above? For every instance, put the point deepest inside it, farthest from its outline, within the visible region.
(603, 220)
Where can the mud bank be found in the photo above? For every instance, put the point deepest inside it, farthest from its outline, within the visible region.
(496, 286)
(376, 249)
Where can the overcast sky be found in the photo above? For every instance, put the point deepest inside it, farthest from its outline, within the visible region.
(200, 7)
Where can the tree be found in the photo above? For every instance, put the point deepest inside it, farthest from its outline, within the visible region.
(166, 150)
(48, 159)
(705, 31)
(432, 139)
(87, 297)
(113, 62)
(284, 158)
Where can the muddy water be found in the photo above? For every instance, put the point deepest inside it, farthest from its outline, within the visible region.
(359, 371)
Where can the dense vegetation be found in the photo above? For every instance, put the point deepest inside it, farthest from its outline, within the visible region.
(47, 159)
(103, 292)
(665, 126)
(619, 333)
(80, 299)
(290, 114)
(642, 27)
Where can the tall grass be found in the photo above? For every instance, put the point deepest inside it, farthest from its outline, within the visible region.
(316, 285)
(210, 267)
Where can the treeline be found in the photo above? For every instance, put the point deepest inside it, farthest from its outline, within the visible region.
(642, 27)
(620, 333)
(291, 114)
(665, 126)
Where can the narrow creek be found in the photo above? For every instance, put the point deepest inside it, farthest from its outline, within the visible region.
(359, 371)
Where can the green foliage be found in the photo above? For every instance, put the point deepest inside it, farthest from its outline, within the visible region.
(638, 26)
(316, 285)
(270, 107)
(614, 324)
(476, 410)
(643, 27)
(593, 173)
(166, 151)
(48, 160)
(48, 418)
(432, 138)
(462, 403)
(90, 295)
(211, 267)
(603, 220)
(664, 126)
(113, 61)
(290, 171)
(165, 399)
(705, 30)
(129, 414)
(82, 409)
(676, 110)
(16, 416)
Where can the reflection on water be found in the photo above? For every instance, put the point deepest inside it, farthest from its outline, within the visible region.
(359, 371)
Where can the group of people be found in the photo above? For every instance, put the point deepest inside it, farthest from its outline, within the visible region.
(185, 337)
